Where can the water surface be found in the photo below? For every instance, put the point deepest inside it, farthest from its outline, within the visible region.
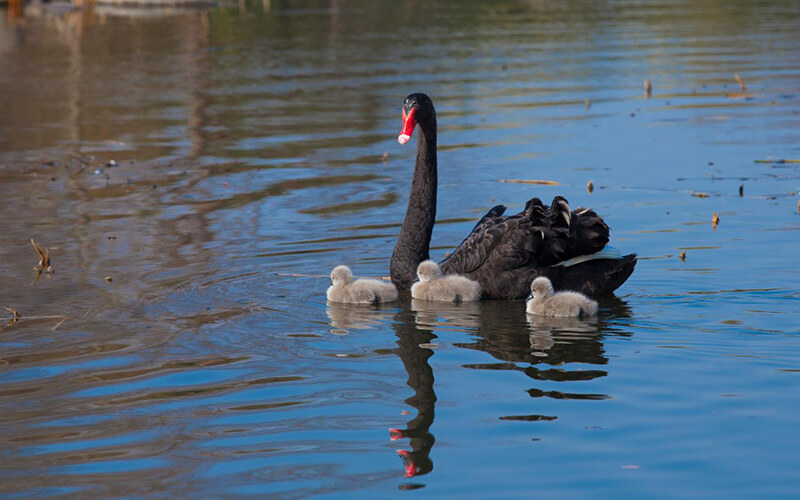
(248, 144)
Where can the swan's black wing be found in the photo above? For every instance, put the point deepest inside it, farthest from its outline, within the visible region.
(505, 242)
(476, 247)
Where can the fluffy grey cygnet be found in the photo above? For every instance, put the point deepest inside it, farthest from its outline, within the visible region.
(544, 302)
(452, 288)
(364, 291)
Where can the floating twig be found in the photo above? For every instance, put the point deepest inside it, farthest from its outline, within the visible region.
(16, 316)
(648, 89)
(700, 194)
(741, 190)
(385, 156)
(683, 256)
(587, 103)
(540, 182)
(590, 187)
(742, 94)
(44, 258)
(715, 220)
(776, 162)
(739, 80)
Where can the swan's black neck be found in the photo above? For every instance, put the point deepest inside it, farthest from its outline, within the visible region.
(414, 241)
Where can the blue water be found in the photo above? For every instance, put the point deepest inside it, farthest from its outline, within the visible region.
(249, 144)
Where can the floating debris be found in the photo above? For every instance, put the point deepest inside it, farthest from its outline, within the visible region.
(532, 181)
(683, 256)
(109, 279)
(742, 94)
(590, 187)
(385, 156)
(776, 162)
(648, 89)
(44, 259)
(587, 103)
(111, 163)
(14, 316)
(700, 194)
(715, 220)
(739, 80)
(741, 190)
(112, 237)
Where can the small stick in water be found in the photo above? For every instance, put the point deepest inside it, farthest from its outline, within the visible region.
(739, 80)
(648, 89)
(590, 187)
(741, 190)
(385, 156)
(715, 220)
(587, 103)
(683, 255)
(44, 258)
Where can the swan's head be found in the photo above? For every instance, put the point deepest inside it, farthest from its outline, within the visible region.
(416, 108)
(428, 270)
(541, 288)
(341, 276)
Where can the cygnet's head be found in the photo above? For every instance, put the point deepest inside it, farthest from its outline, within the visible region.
(428, 270)
(541, 288)
(341, 276)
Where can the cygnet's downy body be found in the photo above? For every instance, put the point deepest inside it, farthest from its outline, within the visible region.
(452, 288)
(544, 302)
(344, 289)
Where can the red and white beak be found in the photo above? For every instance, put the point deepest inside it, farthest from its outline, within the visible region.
(409, 122)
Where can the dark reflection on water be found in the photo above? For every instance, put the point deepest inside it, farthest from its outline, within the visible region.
(248, 157)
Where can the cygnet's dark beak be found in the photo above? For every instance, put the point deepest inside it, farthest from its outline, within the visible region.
(529, 297)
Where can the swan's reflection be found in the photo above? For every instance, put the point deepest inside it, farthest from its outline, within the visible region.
(501, 329)
(346, 317)
(545, 330)
(420, 378)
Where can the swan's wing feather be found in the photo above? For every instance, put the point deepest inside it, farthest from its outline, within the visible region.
(475, 249)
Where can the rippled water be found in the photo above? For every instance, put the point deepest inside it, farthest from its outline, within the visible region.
(248, 145)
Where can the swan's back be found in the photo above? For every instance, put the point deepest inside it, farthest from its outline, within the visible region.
(505, 253)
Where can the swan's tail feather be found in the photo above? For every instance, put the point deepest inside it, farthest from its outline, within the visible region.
(588, 232)
(560, 215)
(534, 209)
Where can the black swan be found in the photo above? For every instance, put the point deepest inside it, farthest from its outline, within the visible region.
(544, 302)
(504, 253)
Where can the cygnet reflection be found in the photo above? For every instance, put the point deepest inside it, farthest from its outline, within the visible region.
(432, 314)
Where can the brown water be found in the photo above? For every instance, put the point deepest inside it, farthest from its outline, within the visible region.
(247, 144)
